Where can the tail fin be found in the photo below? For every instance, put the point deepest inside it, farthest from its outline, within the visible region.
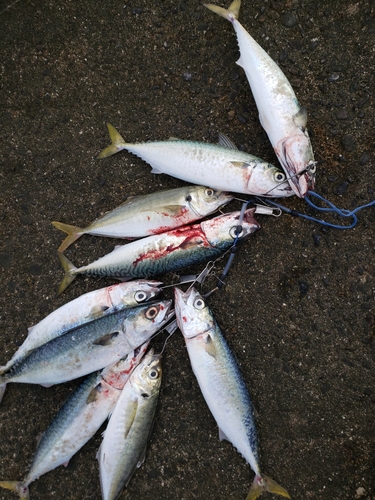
(73, 233)
(69, 274)
(230, 14)
(265, 483)
(17, 487)
(117, 143)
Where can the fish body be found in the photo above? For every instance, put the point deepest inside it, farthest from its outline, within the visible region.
(123, 448)
(84, 309)
(78, 420)
(221, 382)
(90, 347)
(219, 166)
(168, 252)
(280, 114)
(149, 214)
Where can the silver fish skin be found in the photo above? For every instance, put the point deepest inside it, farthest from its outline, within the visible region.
(123, 448)
(221, 382)
(78, 420)
(221, 166)
(90, 347)
(149, 214)
(84, 309)
(168, 252)
(280, 114)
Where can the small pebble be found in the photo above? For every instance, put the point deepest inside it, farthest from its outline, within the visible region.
(35, 269)
(342, 114)
(364, 159)
(340, 188)
(348, 142)
(187, 77)
(289, 20)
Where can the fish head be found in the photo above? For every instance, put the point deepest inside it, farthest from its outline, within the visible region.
(116, 375)
(226, 228)
(146, 378)
(135, 292)
(143, 321)
(192, 314)
(204, 200)
(274, 183)
(297, 159)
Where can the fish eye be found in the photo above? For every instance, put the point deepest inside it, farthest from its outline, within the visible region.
(153, 374)
(280, 177)
(209, 192)
(236, 232)
(188, 198)
(152, 312)
(140, 296)
(311, 167)
(199, 303)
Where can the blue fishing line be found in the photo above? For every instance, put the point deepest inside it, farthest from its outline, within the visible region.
(332, 209)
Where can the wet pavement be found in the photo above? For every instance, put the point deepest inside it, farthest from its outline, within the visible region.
(298, 307)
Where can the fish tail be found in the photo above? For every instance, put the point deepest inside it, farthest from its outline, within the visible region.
(69, 269)
(231, 13)
(117, 143)
(73, 233)
(2, 390)
(17, 487)
(265, 483)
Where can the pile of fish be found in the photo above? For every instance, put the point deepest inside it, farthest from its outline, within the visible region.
(105, 334)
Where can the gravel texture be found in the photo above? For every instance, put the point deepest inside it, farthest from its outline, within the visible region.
(298, 308)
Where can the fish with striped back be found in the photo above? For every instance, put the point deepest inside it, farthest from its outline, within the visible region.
(82, 310)
(222, 385)
(167, 252)
(280, 114)
(78, 420)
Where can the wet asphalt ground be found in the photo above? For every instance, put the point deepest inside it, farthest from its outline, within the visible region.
(298, 307)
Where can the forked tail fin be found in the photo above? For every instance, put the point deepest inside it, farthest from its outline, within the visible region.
(231, 13)
(16, 487)
(73, 233)
(69, 275)
(117, 143)
(265, 483)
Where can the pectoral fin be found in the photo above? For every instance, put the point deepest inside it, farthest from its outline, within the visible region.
(130, 417)
(94, 394)
(300, 118)
(106, 339)
(210, 346)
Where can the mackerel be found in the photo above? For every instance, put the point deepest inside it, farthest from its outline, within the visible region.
(78, 420)
(91, 346)
(221, 383)
(153, 213)
(80, 311)
(280, 114)
(221, 166)
(167, 252)
(123, 448)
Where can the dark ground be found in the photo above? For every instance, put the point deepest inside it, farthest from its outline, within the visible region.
(298, 309)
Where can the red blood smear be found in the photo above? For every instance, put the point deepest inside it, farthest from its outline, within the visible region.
(192, 236)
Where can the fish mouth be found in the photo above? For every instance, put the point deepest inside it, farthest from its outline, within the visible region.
(248, 217)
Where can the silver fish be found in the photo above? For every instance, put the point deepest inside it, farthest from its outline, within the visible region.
(220, 166)
(167, 252)
(78, 420)
(149, 214)
(123, 448)
(221, 383)
(91, 346)
(81, 310)
(280, 114)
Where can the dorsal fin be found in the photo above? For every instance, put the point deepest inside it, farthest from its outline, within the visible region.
(223, 140)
